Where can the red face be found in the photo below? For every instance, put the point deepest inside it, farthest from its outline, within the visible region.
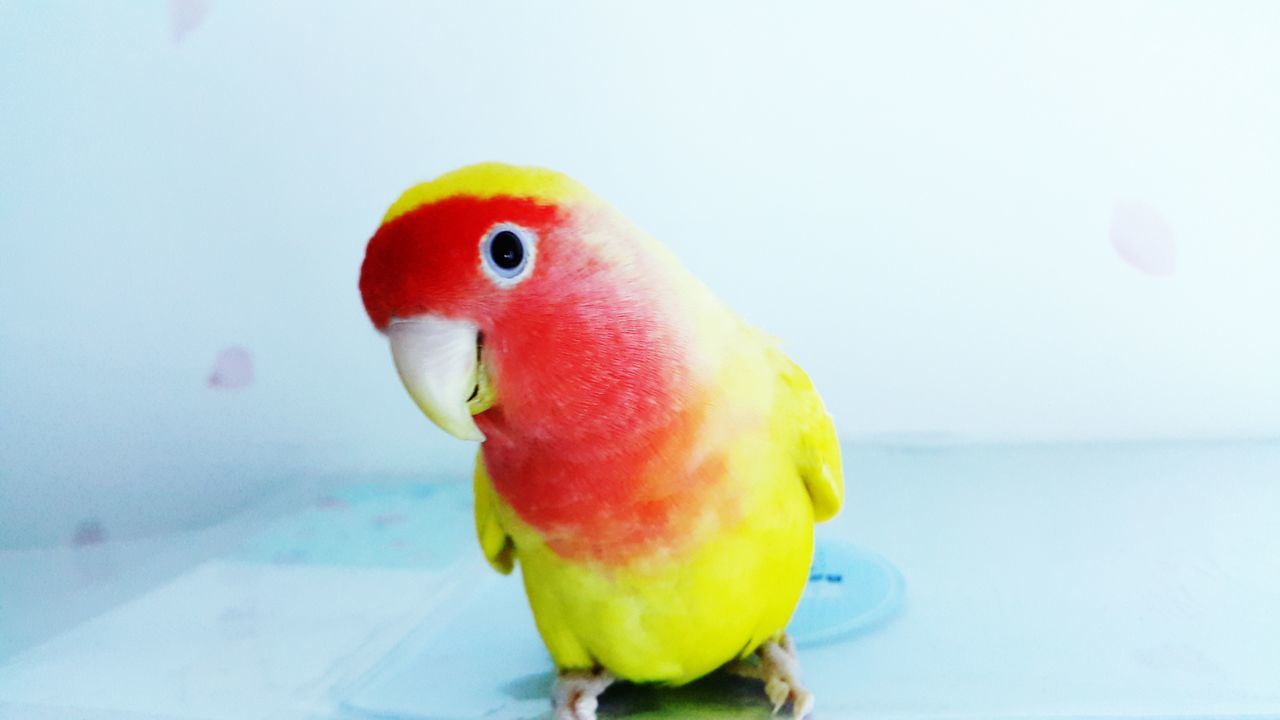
(441, 258)
(579, 331)
(565, 334)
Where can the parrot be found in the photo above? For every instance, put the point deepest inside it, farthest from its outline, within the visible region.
(654, 464)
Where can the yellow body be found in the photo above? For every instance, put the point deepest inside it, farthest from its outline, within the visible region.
(672, 619)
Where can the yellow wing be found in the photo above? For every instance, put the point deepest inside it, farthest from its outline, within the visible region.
(498, 547)
(817, 448)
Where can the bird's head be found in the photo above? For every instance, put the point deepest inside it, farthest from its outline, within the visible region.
(513, 296)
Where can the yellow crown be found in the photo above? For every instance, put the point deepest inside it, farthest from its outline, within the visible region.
(491, 179)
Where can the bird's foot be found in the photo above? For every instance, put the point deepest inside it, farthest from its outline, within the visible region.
(779, 669)
(576, 692)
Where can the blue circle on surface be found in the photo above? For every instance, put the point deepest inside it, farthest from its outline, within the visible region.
(850, 591)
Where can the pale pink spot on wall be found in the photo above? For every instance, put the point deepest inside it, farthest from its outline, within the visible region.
(186, 15)
(232, 369)
(1142, 238)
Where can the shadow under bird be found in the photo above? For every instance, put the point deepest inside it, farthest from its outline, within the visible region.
(654, 464)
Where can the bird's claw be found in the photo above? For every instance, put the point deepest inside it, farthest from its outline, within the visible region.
(780, 671)
(780, 692)
(576, 694)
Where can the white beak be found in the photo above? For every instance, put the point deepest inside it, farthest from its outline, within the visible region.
(437, 359)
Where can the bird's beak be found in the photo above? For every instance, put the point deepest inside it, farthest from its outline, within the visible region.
(438, 361)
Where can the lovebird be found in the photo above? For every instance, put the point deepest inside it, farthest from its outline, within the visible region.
(652, 463)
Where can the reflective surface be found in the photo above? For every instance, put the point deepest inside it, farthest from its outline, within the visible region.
(1054, 581)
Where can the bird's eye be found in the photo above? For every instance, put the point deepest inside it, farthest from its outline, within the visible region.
(508, 253)
(506, 250)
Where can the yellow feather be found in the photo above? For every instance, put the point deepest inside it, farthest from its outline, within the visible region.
(817, 449)
(494, 541)
(486, 180)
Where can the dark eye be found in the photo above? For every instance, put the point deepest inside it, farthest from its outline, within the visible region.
(507, 251)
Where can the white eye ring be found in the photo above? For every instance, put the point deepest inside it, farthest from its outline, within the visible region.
(507, 252)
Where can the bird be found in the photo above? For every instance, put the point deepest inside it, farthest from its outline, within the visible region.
(652, 463)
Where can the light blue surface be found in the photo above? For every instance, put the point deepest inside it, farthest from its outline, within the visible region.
(1077, 581)
(413, 526)
(1068, 581)
(850, 591)
(488, 661)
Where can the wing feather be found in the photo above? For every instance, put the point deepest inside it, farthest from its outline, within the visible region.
(497, 545)
(817, 449)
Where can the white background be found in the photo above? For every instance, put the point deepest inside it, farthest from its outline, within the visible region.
(915, 197)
